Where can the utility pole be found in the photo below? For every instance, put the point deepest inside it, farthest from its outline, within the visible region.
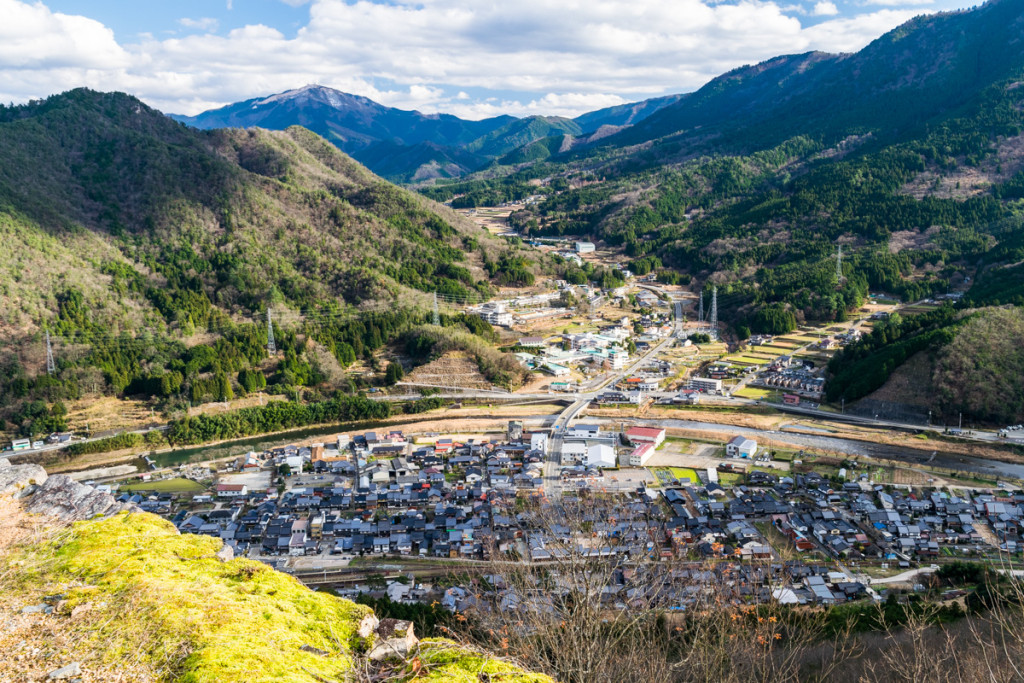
(839, 265)
(714, 311)
(271, 345)
(700, 316)
(435, 317)
(51, 367)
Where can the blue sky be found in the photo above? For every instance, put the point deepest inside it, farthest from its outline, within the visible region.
(473, 58)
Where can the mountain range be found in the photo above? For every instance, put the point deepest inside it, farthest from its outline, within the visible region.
(407, 146)
(909, 154)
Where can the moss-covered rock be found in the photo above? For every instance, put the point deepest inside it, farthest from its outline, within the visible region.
(146, 593)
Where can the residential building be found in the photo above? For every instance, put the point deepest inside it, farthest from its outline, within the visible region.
(232, 490)
(583, 431)
(706, 384)
(741, 447)
(573, 452)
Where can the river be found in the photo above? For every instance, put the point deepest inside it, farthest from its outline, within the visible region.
(851, 447)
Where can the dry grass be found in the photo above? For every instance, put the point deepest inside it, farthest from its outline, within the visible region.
(454, 369)
(108, 413)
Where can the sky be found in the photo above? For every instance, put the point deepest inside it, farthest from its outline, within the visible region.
(472, 58)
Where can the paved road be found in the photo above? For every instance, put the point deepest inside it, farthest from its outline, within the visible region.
(903, 577)
(552, 462)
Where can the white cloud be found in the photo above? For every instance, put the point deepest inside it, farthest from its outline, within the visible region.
(207, 24)
(825, 9)
(569, 57)
(33, 37)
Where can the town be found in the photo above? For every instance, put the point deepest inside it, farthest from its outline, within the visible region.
(349, 511)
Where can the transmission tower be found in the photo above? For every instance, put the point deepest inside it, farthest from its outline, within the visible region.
(51, 367)
(839, 264)
(435, 316)
(271, 346)
(700, 315)
(714, 311)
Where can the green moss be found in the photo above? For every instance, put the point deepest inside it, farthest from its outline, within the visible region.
(160, 598)
(445, 660)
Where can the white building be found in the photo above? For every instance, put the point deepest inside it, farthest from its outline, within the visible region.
(617, 359)
(232, 490)
(556, 369)
(585, 247)
(601, 455)
(573, 452)
(539, 441)
(640, 456)
(705, 384)
(583, 431)
(496, 314)
(741, 447)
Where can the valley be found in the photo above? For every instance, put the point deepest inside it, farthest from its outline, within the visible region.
(714, 386)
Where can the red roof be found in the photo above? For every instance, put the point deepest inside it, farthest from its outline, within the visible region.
(230, 487)
(644, 432)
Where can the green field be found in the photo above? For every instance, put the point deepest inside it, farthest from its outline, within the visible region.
(682, 473)
(730, 478)
(749, 360)
(777, 349)
(166, 486)
(751, 392)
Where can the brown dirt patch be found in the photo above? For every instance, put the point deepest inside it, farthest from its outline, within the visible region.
(108, 413)
(454, 369)
(235, 404)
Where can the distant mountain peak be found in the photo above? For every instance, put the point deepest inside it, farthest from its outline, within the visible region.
(317, 93)
(403, 145)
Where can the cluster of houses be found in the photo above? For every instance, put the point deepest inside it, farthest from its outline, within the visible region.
(605, 349)
(380, 494)
(798, 379)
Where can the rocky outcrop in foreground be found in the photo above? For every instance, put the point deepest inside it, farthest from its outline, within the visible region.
(67, 500)
(19, 480)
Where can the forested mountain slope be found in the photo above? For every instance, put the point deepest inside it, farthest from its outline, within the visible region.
(919, 73)
(909, 154)
(151, 252)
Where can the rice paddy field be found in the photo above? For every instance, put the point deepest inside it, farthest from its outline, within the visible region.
(750, 360)
(682, 473)
(166, 486)
(779, 349)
